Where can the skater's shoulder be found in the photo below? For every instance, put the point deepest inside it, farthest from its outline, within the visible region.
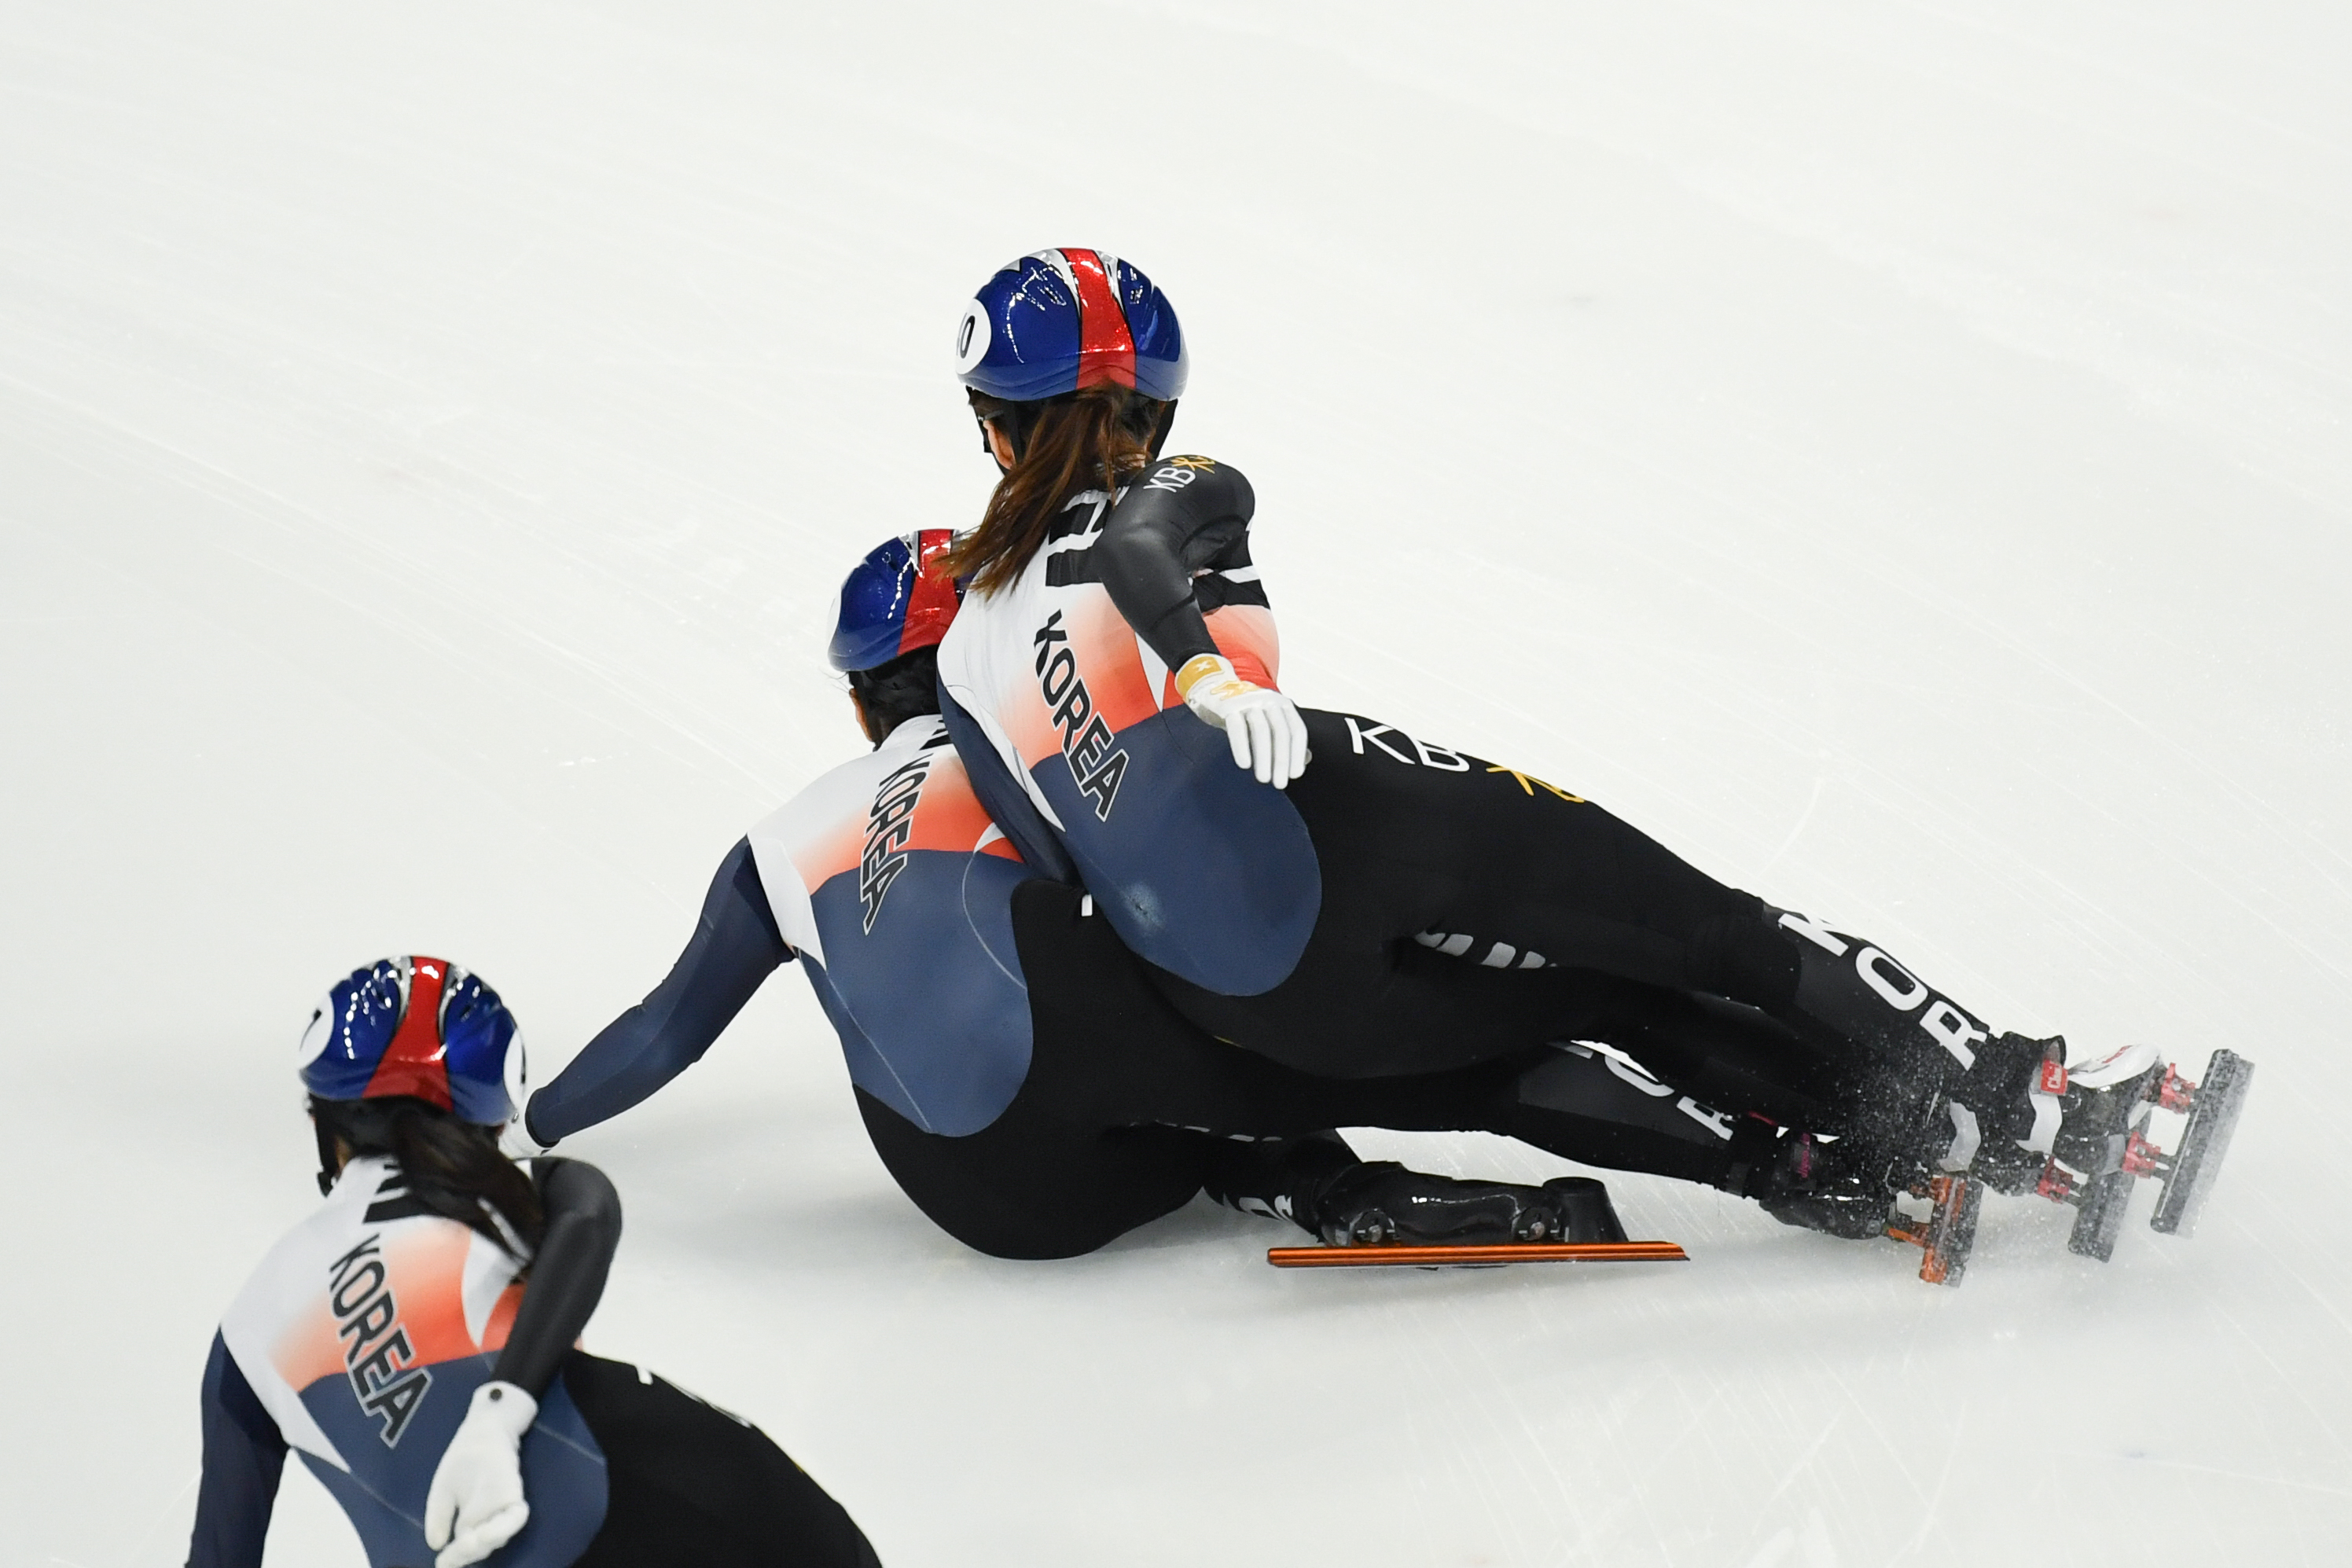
(912, 792)
(1199, 482)
(851, 781)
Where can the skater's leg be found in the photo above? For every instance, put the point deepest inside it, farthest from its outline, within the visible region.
(1503, 871)
(691, 1486)
(1034, 1185)
(1128, 1109)
(1113, 1054)
(1596, 1109)
(1721, 1052)
(1124, 1105)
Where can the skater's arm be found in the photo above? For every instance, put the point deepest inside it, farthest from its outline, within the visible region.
(735, 947)
(1178, 517)
(244, 1456)
(567, 1272)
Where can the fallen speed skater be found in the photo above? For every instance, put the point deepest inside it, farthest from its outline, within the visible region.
(1096, 935)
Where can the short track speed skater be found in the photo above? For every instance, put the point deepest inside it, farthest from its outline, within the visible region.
(2102, 1153)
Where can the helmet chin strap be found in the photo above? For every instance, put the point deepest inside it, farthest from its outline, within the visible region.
(1160, 428)
(1014, 424)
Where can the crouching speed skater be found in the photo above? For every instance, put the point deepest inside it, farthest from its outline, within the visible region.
(413, 1340)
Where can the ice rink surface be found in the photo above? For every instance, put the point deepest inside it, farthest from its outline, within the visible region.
(1897, 454)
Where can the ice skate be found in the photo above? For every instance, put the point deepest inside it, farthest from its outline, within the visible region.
(2081, 1136)
(1384, 1204)
(2102, 1147)
(1831, 1186)
(1384, 1215)
(1848, 1189)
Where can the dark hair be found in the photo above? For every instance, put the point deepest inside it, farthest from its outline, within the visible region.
(452, 1167)
(890, 694)
(1090, 439)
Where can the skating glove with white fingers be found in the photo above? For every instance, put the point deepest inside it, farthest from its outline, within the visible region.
(475, 1504)
(1262, 727)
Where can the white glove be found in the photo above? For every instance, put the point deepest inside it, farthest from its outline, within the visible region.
(1267, 736)
(475, 1504)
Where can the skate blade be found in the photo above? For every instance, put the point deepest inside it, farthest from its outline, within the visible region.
(2212, 1118)
(2100, 1220)
(1477, 1256)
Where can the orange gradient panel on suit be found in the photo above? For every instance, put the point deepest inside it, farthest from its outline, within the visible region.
(309, 1350)
(1110, 663)
(948, 816)
(1244, 634)
(425, 1269)
(428, 1270)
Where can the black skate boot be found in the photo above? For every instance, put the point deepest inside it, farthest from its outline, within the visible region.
(2044, 1122)
(1852, 1187)
(1317, 1183)
(1961, 1151)
(1386, 1204)
(1835, 1186)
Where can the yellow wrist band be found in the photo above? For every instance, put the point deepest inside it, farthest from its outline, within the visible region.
(1198, 668)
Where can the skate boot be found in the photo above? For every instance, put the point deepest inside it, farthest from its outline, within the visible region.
(2047, 1114)
(2101, 1148)
(1317, 1183)
(1847, 1187)
(1385, 1204)
(1831, 1186)
(2076, 1133)
(1851, 1186)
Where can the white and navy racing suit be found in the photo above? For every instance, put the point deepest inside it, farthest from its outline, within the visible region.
(1274, 918)
(893, 889)
(358, 1344)
(361, 1339)
(1066, 677)
(1030, 1085)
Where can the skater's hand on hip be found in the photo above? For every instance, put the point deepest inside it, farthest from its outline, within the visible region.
(1262, 727)
(475, 1504)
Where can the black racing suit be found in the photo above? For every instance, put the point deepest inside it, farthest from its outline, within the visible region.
(1128, 1108)
(1502, 870)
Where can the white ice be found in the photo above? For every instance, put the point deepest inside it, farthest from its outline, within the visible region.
(1897, 454)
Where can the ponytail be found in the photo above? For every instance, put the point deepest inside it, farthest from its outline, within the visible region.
(1091, 439)
(452, 1167)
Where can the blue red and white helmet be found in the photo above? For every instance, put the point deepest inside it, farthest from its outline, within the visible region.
(1057, 320)
(418, 1027)
(894, 601)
